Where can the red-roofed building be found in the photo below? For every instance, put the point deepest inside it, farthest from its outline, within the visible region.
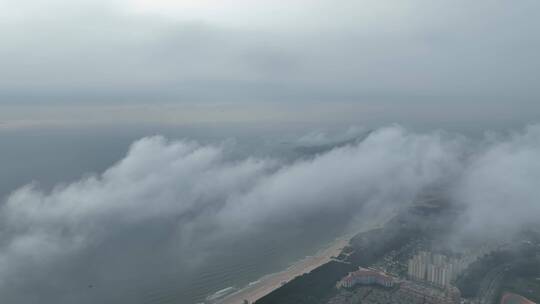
(512, 298)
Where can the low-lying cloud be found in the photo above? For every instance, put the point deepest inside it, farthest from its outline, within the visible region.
(500, 186)
(269, 50)
(172, 200)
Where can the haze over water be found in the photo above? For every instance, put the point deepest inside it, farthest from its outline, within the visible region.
(159, 151)
(234, 263)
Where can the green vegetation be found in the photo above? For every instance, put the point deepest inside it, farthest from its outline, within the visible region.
(365, 249)
(372, 245)
(315, 287)
(524, 279)
(470, 281)
(319, 285)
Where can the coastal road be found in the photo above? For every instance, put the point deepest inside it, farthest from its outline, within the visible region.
(491, 284)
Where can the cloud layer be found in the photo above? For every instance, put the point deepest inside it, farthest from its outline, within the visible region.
(272, 50)
(500, 186)
(174, 200)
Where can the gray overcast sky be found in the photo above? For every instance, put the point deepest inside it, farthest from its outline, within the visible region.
(356, 55)
(169, 206)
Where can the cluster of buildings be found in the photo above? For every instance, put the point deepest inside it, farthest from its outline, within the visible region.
(436, 269)
(440, 270)
(418, 293)
(430, 280)
(366, 276)
(407, 291)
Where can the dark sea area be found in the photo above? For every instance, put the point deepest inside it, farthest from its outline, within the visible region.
(49, 157)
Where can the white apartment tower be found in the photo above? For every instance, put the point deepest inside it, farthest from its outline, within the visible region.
(437, 269)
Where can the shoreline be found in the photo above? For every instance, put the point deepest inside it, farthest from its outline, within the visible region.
(271, 282)
(268, 283)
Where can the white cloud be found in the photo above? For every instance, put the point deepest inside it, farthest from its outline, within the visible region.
(267, 50)
(276, 15)
(501, 186)
(211, 198)
(199, 196)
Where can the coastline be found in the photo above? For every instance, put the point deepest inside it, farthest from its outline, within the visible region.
(271, 282)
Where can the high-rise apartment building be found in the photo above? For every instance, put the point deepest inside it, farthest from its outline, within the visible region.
(437, 269)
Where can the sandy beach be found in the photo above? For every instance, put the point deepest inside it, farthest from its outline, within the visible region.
(271, 282)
